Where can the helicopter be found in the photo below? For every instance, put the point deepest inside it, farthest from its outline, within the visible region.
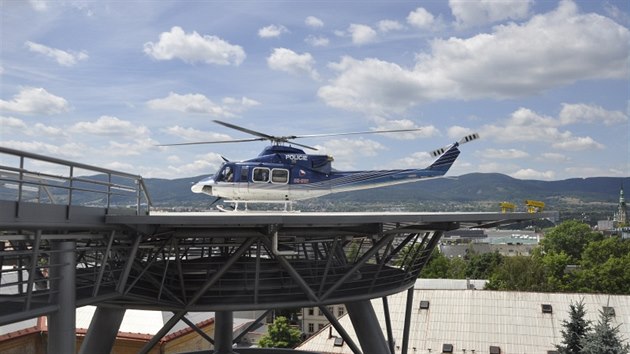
(284, 173)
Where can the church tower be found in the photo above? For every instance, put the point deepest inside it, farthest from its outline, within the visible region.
(622, 209)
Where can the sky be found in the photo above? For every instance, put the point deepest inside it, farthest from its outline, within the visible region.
(544, 83)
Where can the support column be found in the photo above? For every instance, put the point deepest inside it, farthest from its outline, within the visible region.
(223, 327)
(367, 327)
(101, 335)
(62, 323)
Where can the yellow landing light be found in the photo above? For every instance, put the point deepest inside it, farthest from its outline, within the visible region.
(534, 206)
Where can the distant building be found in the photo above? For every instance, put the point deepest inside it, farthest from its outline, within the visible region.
(621, 216)
(313, 320)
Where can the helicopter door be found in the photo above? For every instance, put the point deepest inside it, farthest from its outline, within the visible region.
(243, 182)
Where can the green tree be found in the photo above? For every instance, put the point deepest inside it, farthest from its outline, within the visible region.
(437, 267)
(521, 273)
(457, 268)
(481, 266)
(555, 270)
(574, 330)
(280, 335)
(604, 339)
(570, 237)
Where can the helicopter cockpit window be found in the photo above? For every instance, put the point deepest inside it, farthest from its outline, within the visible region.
(227, 174)
(279, 175)
(261, 175)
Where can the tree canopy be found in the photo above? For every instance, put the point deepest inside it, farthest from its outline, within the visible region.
(570, 258)
(280, 335)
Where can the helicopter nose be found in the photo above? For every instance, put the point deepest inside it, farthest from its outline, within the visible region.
(202, 187)
(197, 188)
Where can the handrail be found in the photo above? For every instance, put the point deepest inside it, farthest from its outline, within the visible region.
(21, 177)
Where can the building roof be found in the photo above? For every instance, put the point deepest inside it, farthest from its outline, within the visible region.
(136, 324)
(476, 320)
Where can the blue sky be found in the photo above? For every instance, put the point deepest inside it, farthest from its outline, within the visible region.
(545, 83)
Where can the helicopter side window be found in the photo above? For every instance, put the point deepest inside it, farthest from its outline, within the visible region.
(261, 175)
(279, 175)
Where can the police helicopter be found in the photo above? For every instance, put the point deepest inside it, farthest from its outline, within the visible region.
(283, 173)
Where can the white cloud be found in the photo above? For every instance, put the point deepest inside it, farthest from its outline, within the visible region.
(426, 132)
(371, 85)
(554, 157)
(584, 113)
(283, 59)
(272, 31)
(421, 18)
(12, 123)
(529, 173)
(134, 147)
(60, 56)
(515, 60)
(192, 48)
(389, 25)
(347, 151)
(415, 160)
(33, 100)
(39, 5)
(314, 22)
(111, 126)
(46, 130)
(68, 150)
(480, 12)
(362, 34)
(198, 103)
(457, 132)
(203, 164)
(317, 41)
(578, 144)
(504, 154)
(191, 134)
(527, 125)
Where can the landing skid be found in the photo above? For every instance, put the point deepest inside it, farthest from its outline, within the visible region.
(288, 205)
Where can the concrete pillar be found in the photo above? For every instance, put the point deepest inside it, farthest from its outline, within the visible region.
(101, 335)
(62, 323)
(367, 327)
(223, 327)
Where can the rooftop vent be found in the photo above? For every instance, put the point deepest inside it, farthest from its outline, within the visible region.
(609, 310)
(424, 305)
(495, 350)
(447, 348)
(546, 308)
(338, 342)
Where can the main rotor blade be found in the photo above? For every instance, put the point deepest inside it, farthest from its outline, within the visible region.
(353, 133)
(215, 142)
(245, 130)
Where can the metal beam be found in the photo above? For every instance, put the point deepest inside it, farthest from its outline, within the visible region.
(223, 325)
(177, 316)
(62, 323)
(101, 334)
(407, 325)
(367, 327)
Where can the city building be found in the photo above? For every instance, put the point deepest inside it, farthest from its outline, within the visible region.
(313, 320)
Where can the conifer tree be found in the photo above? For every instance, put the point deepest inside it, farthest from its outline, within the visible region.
(604, 339)
(574, 330)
